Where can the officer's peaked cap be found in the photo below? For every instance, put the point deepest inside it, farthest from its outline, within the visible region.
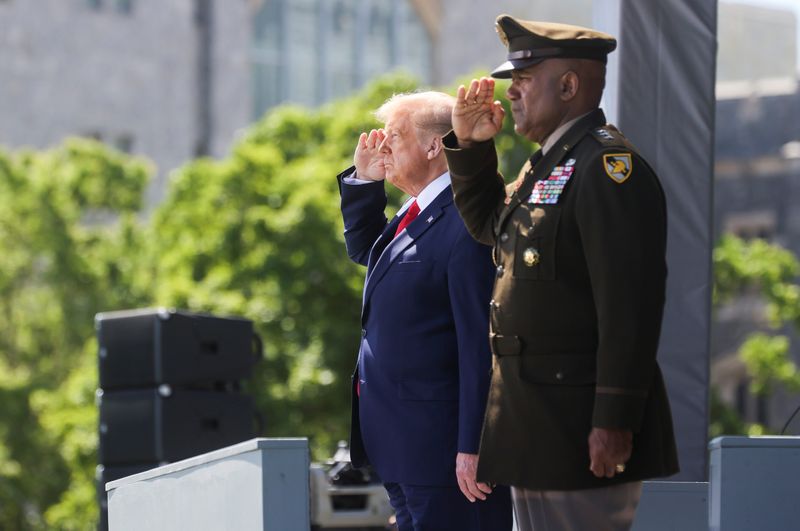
(530, 42)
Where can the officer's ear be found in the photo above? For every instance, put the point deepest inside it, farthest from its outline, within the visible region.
(435, 147)
(568, 85)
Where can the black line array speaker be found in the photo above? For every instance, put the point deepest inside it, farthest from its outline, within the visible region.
(149, 347)
(165, 424)
(169, 389)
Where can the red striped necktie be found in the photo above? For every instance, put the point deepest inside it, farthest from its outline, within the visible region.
(411, 215)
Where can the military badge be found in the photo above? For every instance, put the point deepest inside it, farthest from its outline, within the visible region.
(605, 135)
(530, 257)
(547, 191)
(618, 166)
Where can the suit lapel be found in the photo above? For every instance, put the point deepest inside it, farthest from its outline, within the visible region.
(394, 249)
(381, 243)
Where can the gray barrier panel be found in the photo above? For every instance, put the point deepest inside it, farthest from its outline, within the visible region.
(754, 484)
(660, 92)
(257, 485)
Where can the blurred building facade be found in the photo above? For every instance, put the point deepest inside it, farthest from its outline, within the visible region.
(176, 79)
(162, 78)
(755, 42)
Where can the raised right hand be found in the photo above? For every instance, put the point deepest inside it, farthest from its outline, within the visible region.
(476, 116)
(368, 159)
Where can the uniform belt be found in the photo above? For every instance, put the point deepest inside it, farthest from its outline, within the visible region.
(513, 345)
(506, 345)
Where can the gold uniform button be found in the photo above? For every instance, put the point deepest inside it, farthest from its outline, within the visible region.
(530, 257)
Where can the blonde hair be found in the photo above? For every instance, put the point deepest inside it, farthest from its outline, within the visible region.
(429, 111)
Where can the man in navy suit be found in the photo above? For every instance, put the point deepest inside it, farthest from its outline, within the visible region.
(420, 385)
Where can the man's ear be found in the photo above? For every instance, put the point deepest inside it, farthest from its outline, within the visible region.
(435, 147)
(569, 85)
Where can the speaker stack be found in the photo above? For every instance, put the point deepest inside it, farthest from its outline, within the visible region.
(169, 389)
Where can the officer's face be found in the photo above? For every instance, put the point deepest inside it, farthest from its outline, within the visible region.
(535, 100)
(404, 154)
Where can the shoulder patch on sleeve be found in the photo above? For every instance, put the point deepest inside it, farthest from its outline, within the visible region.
(618, 166)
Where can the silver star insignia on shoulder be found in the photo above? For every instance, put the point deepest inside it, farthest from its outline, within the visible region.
(605, 134)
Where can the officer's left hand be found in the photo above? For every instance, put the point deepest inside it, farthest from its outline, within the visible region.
(607, 449)
(466, 471)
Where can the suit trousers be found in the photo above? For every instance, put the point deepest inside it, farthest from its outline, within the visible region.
(426, 508)
(604, 509)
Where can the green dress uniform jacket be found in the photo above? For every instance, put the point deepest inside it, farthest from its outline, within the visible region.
(579, 245)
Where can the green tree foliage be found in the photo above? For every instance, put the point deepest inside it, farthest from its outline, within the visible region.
(768, 363)
(741, 265)
(757, 266)
(257, 234)
(57, 269)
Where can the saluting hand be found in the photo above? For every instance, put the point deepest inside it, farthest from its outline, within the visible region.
(368, 158)
(477, 117)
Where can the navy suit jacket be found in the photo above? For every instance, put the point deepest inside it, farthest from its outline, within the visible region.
(424, 362)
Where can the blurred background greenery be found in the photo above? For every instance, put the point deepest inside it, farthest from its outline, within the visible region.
(257, 234)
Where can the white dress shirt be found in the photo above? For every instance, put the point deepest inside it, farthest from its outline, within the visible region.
(424, 198)
(558, 133)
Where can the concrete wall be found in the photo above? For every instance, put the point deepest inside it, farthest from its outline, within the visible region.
(756, 42)
(468, 41)
(68, 69)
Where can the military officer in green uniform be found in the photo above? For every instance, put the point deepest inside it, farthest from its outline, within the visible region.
(577, 414)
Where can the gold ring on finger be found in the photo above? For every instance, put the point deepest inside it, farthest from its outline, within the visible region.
(620, 468)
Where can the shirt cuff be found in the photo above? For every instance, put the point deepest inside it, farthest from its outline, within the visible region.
(350, 179)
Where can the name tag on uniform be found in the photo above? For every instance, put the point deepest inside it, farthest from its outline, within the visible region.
(547, 191)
